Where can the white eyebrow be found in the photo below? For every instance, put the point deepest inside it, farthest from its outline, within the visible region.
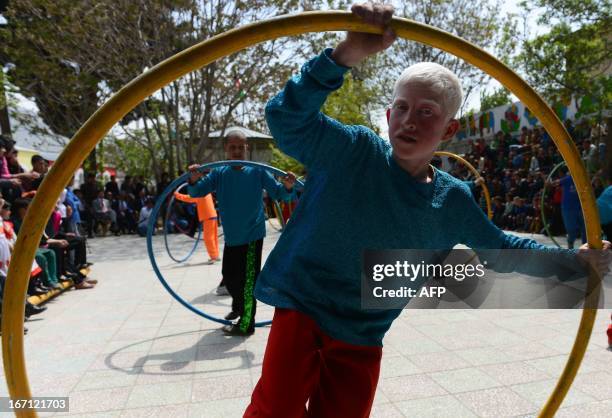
(421, 102)
(429, 102)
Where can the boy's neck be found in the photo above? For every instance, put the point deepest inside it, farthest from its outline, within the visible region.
(419, 169)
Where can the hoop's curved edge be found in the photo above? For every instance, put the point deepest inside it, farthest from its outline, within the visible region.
(167, 218)
(153, 220)
(476, 173)
(134, 92)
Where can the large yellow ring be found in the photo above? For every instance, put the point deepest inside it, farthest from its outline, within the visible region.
(230, 42)
(475, 172)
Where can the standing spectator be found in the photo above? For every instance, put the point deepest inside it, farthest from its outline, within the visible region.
(604, 204)
(534, 164)
(127, 186)
(163, 183)
(90, 190)
(140, 185)
(112, 186)
(571, 210)
(589, 156)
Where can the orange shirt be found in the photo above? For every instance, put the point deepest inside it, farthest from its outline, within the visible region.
(205, 205)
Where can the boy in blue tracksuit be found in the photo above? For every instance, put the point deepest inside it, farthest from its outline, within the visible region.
(239, 194)
(362, 193)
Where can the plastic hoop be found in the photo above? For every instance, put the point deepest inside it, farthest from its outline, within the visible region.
(485, 189)
(153, 219)
(228, 43)
(279, 215)
(197, 240)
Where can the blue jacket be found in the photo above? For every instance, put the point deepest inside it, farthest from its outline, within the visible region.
(356, 197)
(240, 198)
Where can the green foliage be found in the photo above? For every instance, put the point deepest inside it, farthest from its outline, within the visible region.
(498, 97)
(353, 103)
(285, 163)
(127, 155)
(72, 56)
(571, 60)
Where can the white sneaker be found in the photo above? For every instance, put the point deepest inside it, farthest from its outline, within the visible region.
(211, 261)
(221, 291)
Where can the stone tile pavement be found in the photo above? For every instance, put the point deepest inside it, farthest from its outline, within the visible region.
(127, 349)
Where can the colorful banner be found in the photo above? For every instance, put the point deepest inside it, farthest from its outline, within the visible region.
(511, 118)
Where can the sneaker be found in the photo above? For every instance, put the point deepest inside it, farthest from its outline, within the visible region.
(221, 291)
(235, 330)
(231, 316)
(211, 261)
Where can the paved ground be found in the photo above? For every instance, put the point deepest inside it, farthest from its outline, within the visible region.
(126, 349)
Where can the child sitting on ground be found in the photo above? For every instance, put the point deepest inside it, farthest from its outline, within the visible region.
(362, 192)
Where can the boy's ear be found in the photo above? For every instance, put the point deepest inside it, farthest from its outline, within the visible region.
(451, 129)
(388, 114)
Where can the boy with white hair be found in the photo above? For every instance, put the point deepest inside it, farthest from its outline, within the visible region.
(324, 350)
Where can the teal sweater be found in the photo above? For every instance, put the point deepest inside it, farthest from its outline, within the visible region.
(239, 194)
(356, 197)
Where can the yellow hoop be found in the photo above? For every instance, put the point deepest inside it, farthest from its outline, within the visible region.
(465, 162)
(230, 42)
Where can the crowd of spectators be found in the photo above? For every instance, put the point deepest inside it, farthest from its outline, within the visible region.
(515, 169)
(120, 209)
(83, 212)
(62, 253)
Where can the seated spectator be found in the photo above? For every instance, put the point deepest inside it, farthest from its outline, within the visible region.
(70, 251)
(39, 166)
(10, 184)
(143, 219)
(141, 200)
(104, 214)
(73, 213)
(126, 215)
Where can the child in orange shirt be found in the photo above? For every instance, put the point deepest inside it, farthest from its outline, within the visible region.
(208, 216)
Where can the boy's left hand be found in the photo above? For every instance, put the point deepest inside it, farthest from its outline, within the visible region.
(599, 260)
(289, 180)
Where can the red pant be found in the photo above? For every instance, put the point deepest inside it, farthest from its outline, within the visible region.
(303, 364)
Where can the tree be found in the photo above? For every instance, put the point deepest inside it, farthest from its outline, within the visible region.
(34, 42)
(477, 21)
(498, 97)
(72, 56)
(574, 58)
(286, 163)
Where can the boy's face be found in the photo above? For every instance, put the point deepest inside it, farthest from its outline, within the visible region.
(236, 148)
(418, 122)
